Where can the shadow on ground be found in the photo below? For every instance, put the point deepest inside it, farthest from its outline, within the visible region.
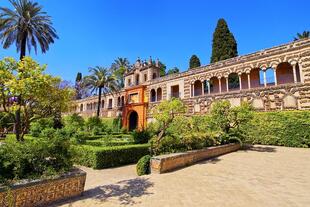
(123, 191)
(259, 148)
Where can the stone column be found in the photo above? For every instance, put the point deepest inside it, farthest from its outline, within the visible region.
(240, 82)
(294, 73)
(275, 76)
(220, 85)
(249, 80)
(227, 88)
(191, 90)
(203, 88)
(209, 88)
(265, 78)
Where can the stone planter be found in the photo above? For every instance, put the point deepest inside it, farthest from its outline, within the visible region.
(170, 162)
(43, 192)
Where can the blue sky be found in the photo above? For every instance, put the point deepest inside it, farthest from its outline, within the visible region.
(96, 32)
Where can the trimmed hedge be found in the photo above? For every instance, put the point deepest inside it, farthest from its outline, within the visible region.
(101, 142)
(283, 128)
(104, 157)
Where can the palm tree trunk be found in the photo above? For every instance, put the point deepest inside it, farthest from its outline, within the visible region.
(99, 102)
(19, 98)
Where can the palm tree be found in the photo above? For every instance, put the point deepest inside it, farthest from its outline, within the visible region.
(102, 80)
(26, 26)
(120, 66)
(305, 34)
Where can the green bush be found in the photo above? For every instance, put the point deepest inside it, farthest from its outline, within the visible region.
(35, 158)
(141, 137)
(285, 128)
(184, 142)
(143, 165)
(38, 126)
(103, 157)
(74, 121)
(6, 120)
(96, 130)
(48, 132)
(94, 122)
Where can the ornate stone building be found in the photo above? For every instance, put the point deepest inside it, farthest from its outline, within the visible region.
(272, 79)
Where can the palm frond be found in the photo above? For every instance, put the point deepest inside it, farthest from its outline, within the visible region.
(26, 20)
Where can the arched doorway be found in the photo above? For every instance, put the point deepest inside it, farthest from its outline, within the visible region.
(133, 121)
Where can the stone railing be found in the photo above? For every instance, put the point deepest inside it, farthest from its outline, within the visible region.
(170, 162)
(44, 192)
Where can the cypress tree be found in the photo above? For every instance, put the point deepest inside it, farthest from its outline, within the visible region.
(194, 62)
(78, 85)
(224, 45)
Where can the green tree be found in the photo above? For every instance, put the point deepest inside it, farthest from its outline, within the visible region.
(78, 86)
(102, 80)
(42, 94)
(26, 26)
(224, 45)
(194, 62)
(120, 66)
(225, 117)
(173, 70)
(163, 68)
(305, 34)
(166, 112)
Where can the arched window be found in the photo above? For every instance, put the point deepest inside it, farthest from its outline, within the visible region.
(159, 94)
(285, 73)
(270, 76)
(233, 81)
(197, 90)
(123, 101)
(153, 95)
(214, 85)
(256, 78)
(102, 104)
(137, 79)
(154, 75)
(81, 107)
(119, 101)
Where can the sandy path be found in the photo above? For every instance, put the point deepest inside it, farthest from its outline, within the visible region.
(263, 176)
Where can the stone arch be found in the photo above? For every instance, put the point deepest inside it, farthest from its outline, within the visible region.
(197, 90)
(214, 85)
(153, 95)
(159, 94)
(285, 73)
(255, 77)
(133, 120)
(233, 81)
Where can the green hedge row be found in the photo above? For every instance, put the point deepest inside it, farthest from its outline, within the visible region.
(285, 128)
(103, 157)
(101, 142)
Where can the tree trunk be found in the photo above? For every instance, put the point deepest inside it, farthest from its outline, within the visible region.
(99, 102)
(19, 101)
